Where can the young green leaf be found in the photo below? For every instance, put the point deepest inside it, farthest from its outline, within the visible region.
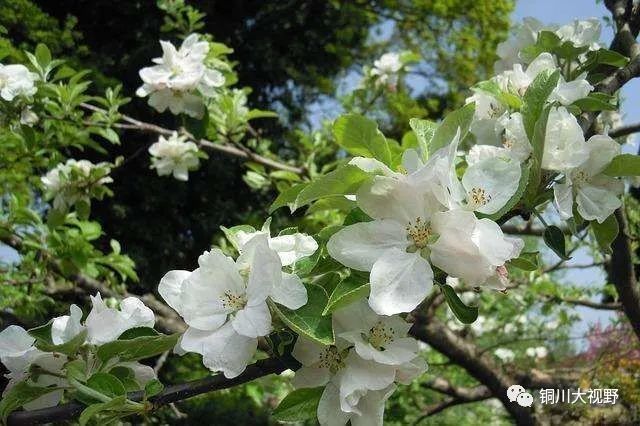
(137, 348)
(299, 406)
(554, 239)
(308, 320)
(535, 98)
(153, 388)
(624, 165)
(91, 411)
(107, 384)
(466, 314)
(606, 232)
(424, 131)
(361, 137)
(459, 119)
(19, 395)
(346, 292)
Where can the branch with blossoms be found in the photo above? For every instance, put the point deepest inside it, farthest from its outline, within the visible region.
(346, 306)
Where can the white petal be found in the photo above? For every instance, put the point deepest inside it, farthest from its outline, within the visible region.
(290, 292)
(311, 377)
(229, 351)
(371, 407)
(498, 177)
(253, 321)
(411, 370)
(371, 165)
(170, 288)
(265, 268)
(306, 351)
(293, 247)
(358, 246)
(563, 199)
(564, 145)
(568, 92)
(136, 313)
(597, 202)
(399, 282)
(329, 411)
(602, 149)
(359, 376)
(66, 327)
(493, 244)
(390, 198)
(14, 341)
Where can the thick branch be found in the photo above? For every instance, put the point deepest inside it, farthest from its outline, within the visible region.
(168, 395)
(622, 273)
(625, 130)
(134, 124)
(433, 332)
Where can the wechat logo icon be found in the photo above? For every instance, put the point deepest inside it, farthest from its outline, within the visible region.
(516, 393)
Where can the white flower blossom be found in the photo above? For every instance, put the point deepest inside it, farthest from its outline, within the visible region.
(504, 354)
(16, 80)
(174, 155)
(523, 35)
(582, 33)
(105, 324)
(224, 303)
(64, 182)
(596, 194)
(180, 78)
(564, 144)
(537, 352)
(386, 68)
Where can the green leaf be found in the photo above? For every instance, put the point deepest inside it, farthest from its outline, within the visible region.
(137, 348)
(42, 334)
(535, 167)
(153, 388)
(508, 99)
(526, 262)
(308, 320)
(356, 216)
(299, 406)
(349, 290)
(361, 137)
(43, 55)
(446, 131)
(231, 233)
(134, 332)
(107, 384)
(554, 239)
(466, 314)
(624, 165)
(259, 113)
(607, 57)
(424, 131)
(94, 409)
(19, 395)
(596, 102)
(56, 218)
(68, 348)
(345, 179)
(287, 197)
(535, 98)
(606, 232)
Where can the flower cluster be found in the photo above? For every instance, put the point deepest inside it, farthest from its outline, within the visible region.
(370, 353)
(39, 357)
(385, 69)
(225, 302)
(175, 156)
(181, 78)
(16, 80)
(76, 179)
(426, 217)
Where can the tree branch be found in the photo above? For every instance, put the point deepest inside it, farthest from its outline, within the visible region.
(246, 154)
(587, 303)
(168, 395)
(431, 331)
(625, 130)
(622, 273)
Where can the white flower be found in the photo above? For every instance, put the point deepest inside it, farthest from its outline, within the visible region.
(28, 117)
(564, 145)
(106, 324)
(64, 183)
(174, 155)
(582, 33)
(597, 195)
(180, 78)
(387, 67)
(488, 117)
(369, 410)
(565, 92)
(66, 327)
(504, 354)
(409, 229)
(224, 304)
(382, 339)
(524, 34)
(290, 247)
(537, 352)
(16, 80)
